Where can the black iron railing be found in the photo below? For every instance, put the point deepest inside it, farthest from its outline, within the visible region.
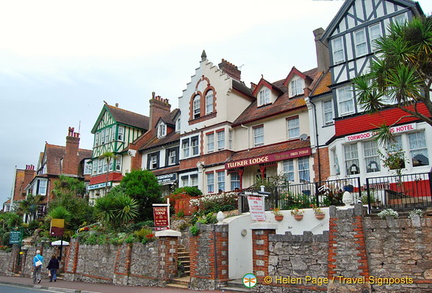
(399, 192)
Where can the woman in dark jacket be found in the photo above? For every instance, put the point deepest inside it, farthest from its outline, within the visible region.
(53, 266)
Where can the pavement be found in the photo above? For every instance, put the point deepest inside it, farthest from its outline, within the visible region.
(82, 287)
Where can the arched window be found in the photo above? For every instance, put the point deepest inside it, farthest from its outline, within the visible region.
(196, 106)
(209, 102)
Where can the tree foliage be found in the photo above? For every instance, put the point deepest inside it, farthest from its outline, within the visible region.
(69, 186)
(116, 209)
(142, 186)
(67, 191)
(402, 76)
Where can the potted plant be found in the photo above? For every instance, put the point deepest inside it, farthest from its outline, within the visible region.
(388, 213)
(319, 214)
(298, 214)
(277, 214)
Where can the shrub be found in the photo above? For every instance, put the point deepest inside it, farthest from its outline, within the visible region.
(388, 213)
(216, 202)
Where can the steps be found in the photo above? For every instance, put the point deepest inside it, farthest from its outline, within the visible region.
(183, 279)
(235, 286)
(183, 259)
(180, 283)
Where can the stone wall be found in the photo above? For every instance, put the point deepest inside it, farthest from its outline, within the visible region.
(359, 253)
(209, 257)
(401, 250)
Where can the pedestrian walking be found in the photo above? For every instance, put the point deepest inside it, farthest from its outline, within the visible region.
(53, 266)
(37, 267)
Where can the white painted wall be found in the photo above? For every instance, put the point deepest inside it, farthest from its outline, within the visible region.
(240, 247)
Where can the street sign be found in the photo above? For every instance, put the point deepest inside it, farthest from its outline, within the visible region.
(15, 237)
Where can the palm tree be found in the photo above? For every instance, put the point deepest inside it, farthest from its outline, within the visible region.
(402, 77)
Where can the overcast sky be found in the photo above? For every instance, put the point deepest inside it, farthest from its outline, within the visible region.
(59, 60)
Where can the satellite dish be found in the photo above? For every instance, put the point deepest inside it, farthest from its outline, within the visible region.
(303, 137)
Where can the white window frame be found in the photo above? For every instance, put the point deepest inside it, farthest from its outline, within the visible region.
(296, 86)
(210, 142)
(418, 146)
(209, 98)
(172, 156)
(264, 96)
(374, 36)
(195, 145)
(42, 186)
(288, 170)
(120, 135)
(258, 134)
(360, 40)
(345, 98)
(328, 114)
(338, 50)
(221, 180)
(162, 130)
(235, 180)
(293, 126)
(185, 145)
(351, 158)
(196, 106)
(210, 182)
(153, 164)
(371, 157)
(221, 139)
(303, 169)
(118, 163)
(88, 166)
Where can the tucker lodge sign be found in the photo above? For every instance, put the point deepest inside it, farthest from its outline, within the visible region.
(269, 158)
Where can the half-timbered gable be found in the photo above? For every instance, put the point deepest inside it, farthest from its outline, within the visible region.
(114, 130)
(351, 37)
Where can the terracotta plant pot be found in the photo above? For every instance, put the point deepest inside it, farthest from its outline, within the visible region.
(320, 216)
(279, 217)
(298, 217)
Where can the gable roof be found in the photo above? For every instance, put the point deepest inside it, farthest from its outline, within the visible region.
(347, 5)
(123, 116)
(282, 104)
(272, 87)
(54, 155)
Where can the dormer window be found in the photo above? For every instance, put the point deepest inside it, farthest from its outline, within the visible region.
(196, 106)
(264, 97)
(296, 86)
(161, 130)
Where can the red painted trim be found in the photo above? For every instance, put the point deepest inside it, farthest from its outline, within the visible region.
(365, 122)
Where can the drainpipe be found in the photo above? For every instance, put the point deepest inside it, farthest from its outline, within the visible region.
(316, 138)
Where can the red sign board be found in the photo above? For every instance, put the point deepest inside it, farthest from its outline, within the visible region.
(160, 216)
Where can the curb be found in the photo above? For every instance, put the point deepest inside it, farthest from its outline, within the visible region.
(55, 289)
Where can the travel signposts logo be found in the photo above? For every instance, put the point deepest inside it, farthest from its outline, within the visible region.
(249, 280)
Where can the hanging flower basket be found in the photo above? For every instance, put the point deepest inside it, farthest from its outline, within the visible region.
(298, 217)
(279, 217)
(320, 216)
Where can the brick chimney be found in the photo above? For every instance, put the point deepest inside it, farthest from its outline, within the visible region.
(29, 174)
(159, 107)
(322, 51)
(70, 160)
(230, 69)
